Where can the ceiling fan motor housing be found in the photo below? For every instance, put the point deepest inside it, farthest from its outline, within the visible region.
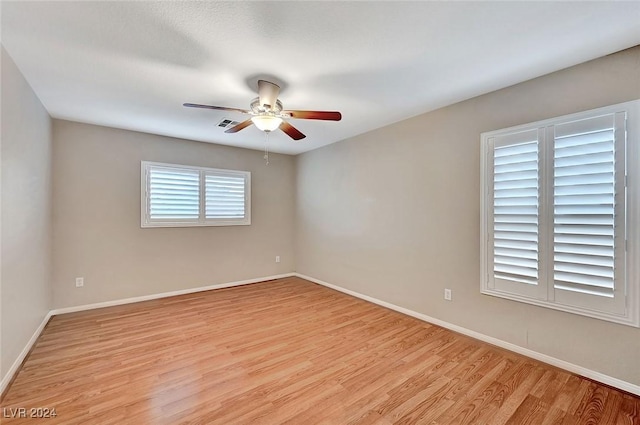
(259, 109)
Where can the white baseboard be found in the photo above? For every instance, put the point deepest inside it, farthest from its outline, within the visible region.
(579, 370)
(166, 294)
(16, 365)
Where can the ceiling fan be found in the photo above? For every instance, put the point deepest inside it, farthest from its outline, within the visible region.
(267, 113)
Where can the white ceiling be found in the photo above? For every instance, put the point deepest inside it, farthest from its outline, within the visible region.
(131, 65)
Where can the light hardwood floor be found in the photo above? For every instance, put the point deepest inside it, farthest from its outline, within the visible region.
(289, 352)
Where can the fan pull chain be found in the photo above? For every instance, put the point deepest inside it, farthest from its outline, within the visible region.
(266, 147)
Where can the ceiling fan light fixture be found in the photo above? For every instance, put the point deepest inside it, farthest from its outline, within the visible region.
(266, 122)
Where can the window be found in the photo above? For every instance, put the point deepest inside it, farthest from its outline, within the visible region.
(560, 213)
(179, 196)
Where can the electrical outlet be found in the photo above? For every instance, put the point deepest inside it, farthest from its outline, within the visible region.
(277, 258)
(447, 294)
(79, 282)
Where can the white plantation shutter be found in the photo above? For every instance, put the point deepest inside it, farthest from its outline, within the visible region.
(584, 206)
(225, 196)
(588, 218)
(515, 212)
(561, 215)
(174, 194)
(178, 195)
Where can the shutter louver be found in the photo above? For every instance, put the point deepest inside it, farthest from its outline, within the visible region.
(515, 212)
(224, 196)
(173, 194)
(584, 206)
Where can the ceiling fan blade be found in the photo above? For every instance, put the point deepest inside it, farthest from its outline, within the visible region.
(291, 131)
(219, 108)
(315, 115)
(238, 127)
(268, 93)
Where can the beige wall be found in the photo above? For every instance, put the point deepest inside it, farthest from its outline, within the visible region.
(96, 218)
(394, 214)
(26, 214)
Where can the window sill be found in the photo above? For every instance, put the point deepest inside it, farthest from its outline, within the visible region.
(196, 224)
(624, 320)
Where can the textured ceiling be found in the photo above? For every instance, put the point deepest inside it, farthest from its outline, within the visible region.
(132, 64)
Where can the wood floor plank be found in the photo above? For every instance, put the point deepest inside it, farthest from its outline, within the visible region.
(629, 413)
(289, 352)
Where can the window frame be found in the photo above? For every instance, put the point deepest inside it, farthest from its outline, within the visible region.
(201, 221)
(544, 297)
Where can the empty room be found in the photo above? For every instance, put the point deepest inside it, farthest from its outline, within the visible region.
(320, 212)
